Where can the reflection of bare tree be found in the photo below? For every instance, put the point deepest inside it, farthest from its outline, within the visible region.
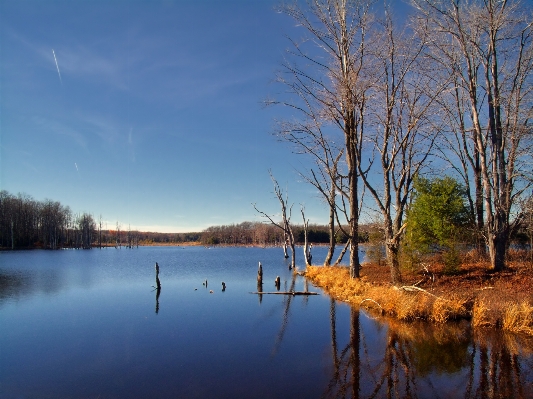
(157, 293)
(346, 365)
(306, 289)
(409, 359)
(285, 320)
(355, 338)
(398, 377)
(499, 374)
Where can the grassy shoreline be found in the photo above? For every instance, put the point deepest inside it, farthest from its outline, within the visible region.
(501, 301)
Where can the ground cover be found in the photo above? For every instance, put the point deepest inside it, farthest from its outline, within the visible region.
(503, 300)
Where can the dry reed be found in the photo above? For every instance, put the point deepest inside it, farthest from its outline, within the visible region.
(518, 318)
(480, 316)
(400, 303)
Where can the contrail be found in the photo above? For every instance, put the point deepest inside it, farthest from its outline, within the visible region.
(75, 164)
(57, 66)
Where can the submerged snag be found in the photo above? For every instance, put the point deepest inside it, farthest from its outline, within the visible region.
(260, 274)
(157, 282)
(277, 283)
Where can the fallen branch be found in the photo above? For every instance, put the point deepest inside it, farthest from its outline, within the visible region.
(371, 300)
(286, 293)
(411, 288)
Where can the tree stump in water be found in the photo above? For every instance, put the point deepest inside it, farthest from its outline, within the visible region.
(260, 275)
(157, 282)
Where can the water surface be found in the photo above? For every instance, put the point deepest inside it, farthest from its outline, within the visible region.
(89, 324)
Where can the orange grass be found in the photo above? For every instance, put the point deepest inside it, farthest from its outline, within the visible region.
(480, 316)
(387, 299)
(518, 318)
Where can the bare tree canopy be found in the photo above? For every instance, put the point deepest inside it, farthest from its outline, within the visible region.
(488, 47)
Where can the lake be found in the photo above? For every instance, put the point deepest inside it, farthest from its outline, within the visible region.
(89, 324)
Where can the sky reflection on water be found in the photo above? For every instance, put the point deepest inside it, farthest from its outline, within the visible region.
(84, 324)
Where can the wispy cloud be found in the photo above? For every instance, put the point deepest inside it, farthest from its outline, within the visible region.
(79, 60)
(55, 127)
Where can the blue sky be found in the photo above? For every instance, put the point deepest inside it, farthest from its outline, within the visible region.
(149, 113)
(154, 118)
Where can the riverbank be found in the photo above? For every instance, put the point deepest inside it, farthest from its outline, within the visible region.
(502, 300)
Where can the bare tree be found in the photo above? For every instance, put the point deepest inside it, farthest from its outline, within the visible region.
(401, 128)
(307, 247)
(489, 44)
(330, 84)
(285, 224)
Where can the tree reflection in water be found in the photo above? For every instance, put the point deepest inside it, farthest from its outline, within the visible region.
(418, 360)
(157, 293)
(287, 301)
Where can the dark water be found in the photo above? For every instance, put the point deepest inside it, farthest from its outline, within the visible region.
(88, 324)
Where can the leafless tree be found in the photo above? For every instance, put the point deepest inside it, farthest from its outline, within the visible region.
(325, 79)
(307, 247)
(401, 127)
(286, 213)
(489, 45)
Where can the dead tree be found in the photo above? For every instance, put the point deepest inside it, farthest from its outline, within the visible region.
(329, 82)
(284, 225)
(307, 247)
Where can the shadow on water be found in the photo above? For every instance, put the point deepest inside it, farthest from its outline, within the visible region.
(157, 293)
(285, 320)
(418, 360)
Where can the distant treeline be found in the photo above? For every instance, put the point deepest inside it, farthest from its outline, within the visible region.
(28, 223)
(257, 233)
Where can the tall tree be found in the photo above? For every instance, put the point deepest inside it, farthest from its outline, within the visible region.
(331, 84)
(489, 43)
(401, 127)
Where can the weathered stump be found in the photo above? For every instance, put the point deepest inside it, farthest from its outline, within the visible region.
(260, 274)
(157, 282)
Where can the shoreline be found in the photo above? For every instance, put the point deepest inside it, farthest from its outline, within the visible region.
(503, 301)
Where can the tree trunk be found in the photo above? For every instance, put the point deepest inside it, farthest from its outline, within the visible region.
(331, 250)
(307, 249)
(497, 249)
(392, 249)
(481, 247)
(293, 251)
(341, 255)
(354, 214)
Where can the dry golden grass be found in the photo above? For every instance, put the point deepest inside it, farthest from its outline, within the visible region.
(480, 316)
(447, 309)
(400, 303)
(518, 318)
(487, 299)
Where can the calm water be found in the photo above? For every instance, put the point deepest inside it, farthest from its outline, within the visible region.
(88, 324)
